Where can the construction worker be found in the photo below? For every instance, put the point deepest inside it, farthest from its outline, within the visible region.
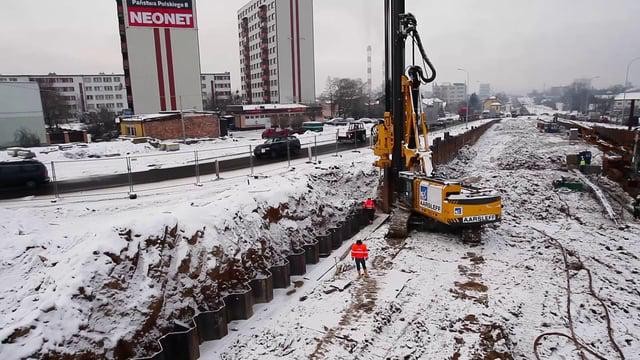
(360, 254)
(636, 208)
(370, 209)
(583, 164)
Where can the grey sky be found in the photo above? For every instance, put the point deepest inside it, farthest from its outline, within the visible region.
(515, 45)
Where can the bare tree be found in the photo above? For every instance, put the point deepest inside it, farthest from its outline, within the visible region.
(54, 106)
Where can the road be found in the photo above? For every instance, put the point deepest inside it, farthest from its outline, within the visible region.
(173, 173)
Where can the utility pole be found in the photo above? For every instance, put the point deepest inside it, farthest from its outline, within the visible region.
(184, 132)
(466, 86)
(626, 83)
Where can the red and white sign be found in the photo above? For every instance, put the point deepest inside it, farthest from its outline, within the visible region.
(161, 14)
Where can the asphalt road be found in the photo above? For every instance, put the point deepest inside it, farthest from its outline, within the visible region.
(157, 175)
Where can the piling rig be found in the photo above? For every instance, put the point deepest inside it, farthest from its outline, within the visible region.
(409, 190)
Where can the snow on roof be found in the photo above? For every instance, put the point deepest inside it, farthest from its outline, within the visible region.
(272, 107)
(635, 95)
(496, 104)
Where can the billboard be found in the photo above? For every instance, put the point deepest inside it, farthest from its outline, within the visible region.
(161, 14)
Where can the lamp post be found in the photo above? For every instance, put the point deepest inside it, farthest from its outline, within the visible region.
(466, 86)
(586, 103)
(626, 83)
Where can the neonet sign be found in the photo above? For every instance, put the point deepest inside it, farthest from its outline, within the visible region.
(161, 14)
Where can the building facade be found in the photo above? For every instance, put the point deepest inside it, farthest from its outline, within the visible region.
(91, 93)
(216, 88)
(81, 93)
(161, 55)
(20, 111)
(451, 94)
(277, 51)
(173, 125)
(271, 115)
(484, 92)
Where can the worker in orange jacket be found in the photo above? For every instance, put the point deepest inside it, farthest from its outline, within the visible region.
(370, 209)
(360, 254)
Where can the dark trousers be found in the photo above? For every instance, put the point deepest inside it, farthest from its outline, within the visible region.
(370, 214)
(636, 212)
(361, 262)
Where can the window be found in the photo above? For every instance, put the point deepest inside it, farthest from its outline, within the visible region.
(111, 105)
(97, 88)
(97, 79)
(204, 86)
(131, 131)
(87, 80)
(107, 79)
(88, 88)
(99, 97)
(108, 97)
(119, 105)
(116, 79)
(89, 97)
(13, 79)
(118, 96)
(108, 88)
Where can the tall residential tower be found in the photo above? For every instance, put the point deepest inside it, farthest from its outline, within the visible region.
(277, 51)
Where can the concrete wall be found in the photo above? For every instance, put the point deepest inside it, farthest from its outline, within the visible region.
(20, 108)
(196, 126)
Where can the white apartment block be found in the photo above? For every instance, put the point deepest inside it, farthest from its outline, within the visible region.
(451, 93)
(277, 51)
(484, 91)
(90, 93)
(216, 86)
(82, 93)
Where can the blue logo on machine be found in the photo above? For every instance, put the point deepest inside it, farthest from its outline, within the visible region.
(457, 211)
(424, 191)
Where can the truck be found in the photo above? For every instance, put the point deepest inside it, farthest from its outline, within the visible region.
(355, 133)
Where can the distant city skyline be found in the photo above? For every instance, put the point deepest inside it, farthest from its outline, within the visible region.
(516, 48)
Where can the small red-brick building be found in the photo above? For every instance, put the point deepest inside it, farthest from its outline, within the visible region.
(169, 125)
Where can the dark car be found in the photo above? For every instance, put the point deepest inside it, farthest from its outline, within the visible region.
(29, 173)
(277, 147)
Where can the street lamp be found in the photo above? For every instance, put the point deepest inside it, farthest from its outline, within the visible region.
(586, 103)
(466, 86)
(626, 83)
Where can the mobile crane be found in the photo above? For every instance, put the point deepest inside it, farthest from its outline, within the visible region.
(409, 189)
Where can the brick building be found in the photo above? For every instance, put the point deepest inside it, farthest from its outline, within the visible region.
(166, 126)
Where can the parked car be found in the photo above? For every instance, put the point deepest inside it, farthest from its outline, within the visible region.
(337, 121)
(277, 147)
(315, 126)
(29, 173)
(276, 132)
(366, 121)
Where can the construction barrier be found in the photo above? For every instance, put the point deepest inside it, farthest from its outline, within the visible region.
(183, 343)
(447, 148)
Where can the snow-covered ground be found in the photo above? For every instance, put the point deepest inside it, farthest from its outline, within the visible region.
(82, 160)
(102, 278)
(433, 297)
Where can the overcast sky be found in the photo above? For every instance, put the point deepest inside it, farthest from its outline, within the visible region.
(515, 45)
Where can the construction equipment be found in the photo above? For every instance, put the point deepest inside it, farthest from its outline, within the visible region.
(402, 145)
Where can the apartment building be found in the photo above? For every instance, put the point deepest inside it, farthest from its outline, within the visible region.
(277, 51)
(215, 87)
(82, 93)
(451, 93)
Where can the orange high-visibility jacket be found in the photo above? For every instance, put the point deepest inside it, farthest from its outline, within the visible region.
(369, 204)
(359, 251)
